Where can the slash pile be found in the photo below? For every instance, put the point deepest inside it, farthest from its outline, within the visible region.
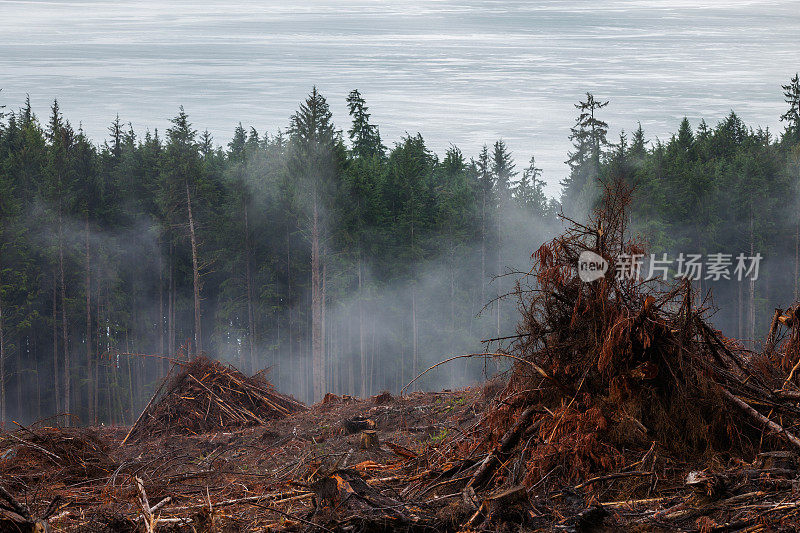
(207, 396)
(621, 393)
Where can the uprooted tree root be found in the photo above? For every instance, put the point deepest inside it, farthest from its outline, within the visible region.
(626, 382)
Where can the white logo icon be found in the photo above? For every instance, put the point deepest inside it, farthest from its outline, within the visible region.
(591, 266)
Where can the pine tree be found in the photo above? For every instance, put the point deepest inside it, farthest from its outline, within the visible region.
(61, 137)
(791, 93)
(486, 188)
(529, 191)
(313, 163)
(180, 182)
(364, 136)
(588, 137)
(503, 171)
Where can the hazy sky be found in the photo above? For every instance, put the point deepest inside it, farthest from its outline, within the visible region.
(463, 72)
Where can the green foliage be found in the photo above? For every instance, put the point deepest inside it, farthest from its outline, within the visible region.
(395, 223)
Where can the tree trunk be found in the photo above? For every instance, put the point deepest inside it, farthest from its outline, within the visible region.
(752, 314)
(317, 356)
(67, 366)
(361, 351)
(2, 370)
(38, 382)
(372, 360)
(163, 368)
(250, 318)
(740, 312)
(293, 365)
(452, 339)
(97, 351)
(324, 311)
(414, 354)
(56, 378)
(171, 307)
(483, 248)
(90, 385)
(198, 335)
(499, 286)
(415, 362)
(796, 259)
(130, 379)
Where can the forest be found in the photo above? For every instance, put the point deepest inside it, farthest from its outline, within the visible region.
(337, 260)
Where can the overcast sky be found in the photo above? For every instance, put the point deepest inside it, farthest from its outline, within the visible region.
(464, 72)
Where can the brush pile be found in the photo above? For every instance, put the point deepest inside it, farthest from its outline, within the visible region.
(208, 396)
(620, 387)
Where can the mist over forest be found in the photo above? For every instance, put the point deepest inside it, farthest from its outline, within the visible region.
(338, 260)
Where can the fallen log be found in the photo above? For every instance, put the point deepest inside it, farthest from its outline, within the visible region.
(507, 443)
(16, 517)
(763, 420)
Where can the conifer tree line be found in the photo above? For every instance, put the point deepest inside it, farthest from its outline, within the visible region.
(339, 261)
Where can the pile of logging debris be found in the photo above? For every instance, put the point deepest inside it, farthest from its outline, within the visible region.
(208, 396)
(620, 387)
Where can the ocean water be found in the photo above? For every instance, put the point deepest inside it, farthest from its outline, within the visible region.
(463, 73)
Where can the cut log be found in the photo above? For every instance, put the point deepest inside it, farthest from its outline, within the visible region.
(507, 443)
(763, 420)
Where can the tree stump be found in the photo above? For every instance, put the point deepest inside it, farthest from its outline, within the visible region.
(369, 439)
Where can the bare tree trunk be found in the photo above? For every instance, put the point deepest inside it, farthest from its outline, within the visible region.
(324, 310)
(451, 341)
(198, 335)
(499, 281)
(415, 363)
(38, 383)
(740, 312)
(171, 307)
(752, 317)
(2, 370)
(130, 378)
(67, 365)
(97, 351)
(361, 351)
(293, 364)
(90, 384)
(250, 319)
(452, 300)
(483, 248)
(56, 378)
(796, 259)
(317, 355)
(372, 360)
(163, 368)
(20, 381)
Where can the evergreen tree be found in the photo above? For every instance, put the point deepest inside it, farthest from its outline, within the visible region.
(791, 93)
(180, 184)
(588, 137)
(314, 165)
(364, 136)
(529, 191)
(503, 171)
